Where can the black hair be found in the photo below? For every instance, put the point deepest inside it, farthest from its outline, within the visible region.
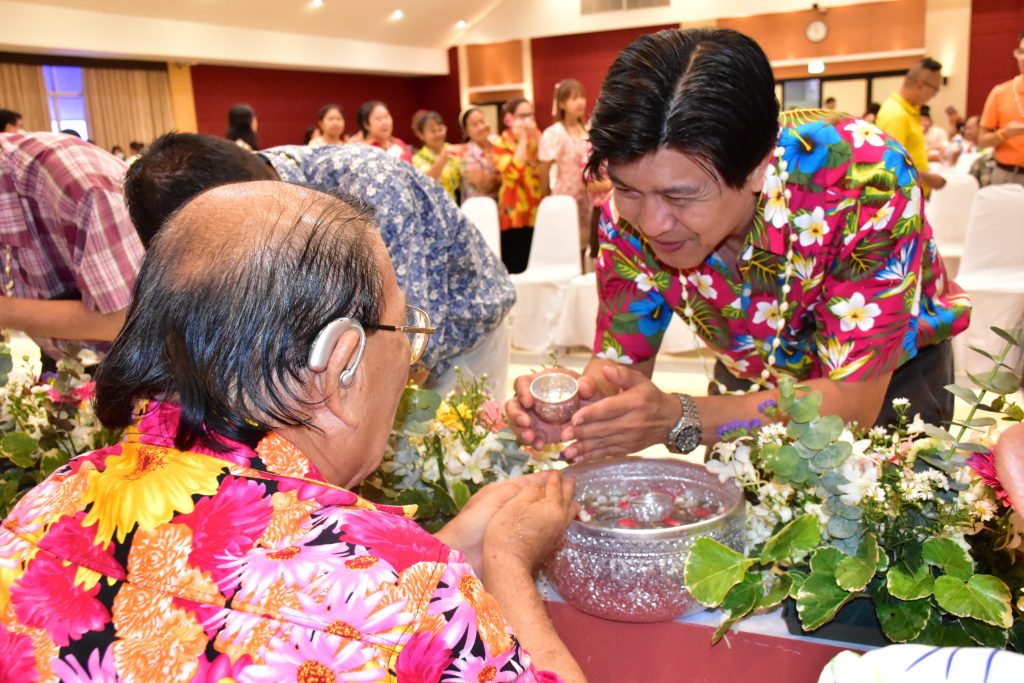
(925, 64)
(8, 117)
(240, 118)
(230, 342)
(179, 166)
(463, 117)
(136, 146)
(72, 132)
(326, 109)
(511, 105)
(363, 115)
(707, 93)
(422, 117)
(564, 90)
(874, 108)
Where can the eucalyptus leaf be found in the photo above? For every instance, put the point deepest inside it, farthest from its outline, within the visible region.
(948, 556)
(937, 432)
(984, 634)
(831, 481)
(901, 621)
(981, 597)
(793, 541)
(806, 407)
(854, 573)
(1011, 336)
(962, 393)
(971, 447)
(797, 430)
(907, 585)
(783, 461)
(977, 423)
(1002, 382)
(822, 432)
(832, 455)
(840, 527)
(712, 570)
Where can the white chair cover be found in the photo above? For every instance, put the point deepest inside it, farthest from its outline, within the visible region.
(554, 261)
(483, 213)
(965, 161)
(990, 270)
(947, 211)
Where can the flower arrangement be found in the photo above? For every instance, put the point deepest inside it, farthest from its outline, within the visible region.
(44, 421)
(910, 518)
(441, 452)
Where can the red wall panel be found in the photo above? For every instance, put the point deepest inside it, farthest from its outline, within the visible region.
(286, 101)
(995, 28)
(585, 57)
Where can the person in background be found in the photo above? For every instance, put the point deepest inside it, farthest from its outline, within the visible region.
(137, 148)
(830, 103)
(118, 152)
(442, 262)
(564, 144)
(257, 379)
(330, 121)
(1002, 124)
(438, 159)
(311, 136)
(872, 112)
(242, 126)
(479, 176)
(935, 137)
(954, 121)
(10, 121)
(74, 252)
(515, 157)
(900, 116)
(377, 128)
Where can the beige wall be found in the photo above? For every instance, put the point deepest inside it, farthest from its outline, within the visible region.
(183, 103)
(851, 96)
(947, 34)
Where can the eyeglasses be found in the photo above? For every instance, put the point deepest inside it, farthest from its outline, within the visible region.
(933, 87)
(417, 328)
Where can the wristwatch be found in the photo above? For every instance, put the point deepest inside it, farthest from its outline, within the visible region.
(685, 435)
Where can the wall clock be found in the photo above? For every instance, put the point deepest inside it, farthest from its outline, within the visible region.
(816, 31)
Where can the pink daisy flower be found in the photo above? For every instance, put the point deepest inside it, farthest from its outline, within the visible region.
(220, 669)
(391, 537)
(296, 564)
(984, 466)
(317, 658)
(477, 669)
(354, 616)
(100, 670)
(423, 659)
(18, 662)
(68, 538)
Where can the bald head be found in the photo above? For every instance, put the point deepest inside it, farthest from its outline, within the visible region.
(231, 295)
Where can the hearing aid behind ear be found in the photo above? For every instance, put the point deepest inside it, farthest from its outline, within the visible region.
(323, 347)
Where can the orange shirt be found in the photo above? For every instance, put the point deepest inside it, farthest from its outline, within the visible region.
(520, 192)
(1003, 106)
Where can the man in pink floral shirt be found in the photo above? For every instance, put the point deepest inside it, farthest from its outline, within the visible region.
(258, 373)
(793, 246)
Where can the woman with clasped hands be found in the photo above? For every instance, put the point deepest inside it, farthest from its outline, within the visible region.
(792, 245)
(257, 378)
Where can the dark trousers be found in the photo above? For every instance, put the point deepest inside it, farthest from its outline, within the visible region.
(515, 248)
(921, 380)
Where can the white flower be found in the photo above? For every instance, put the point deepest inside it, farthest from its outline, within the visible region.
(612, 354)
(861, 474)
(703, 284)
(813, 227)
(836, 353)
(775, 211)
(913, 206)
(722, 470)
(771, 433)
(881, 218)
(767, 312)
(855, 312)
(875, 493)
(877, 433)
(865, 132)
(901, 402)
(737, 367)
(643, 282)
(916, 426)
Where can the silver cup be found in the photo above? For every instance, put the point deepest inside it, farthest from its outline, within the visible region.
(556, 397)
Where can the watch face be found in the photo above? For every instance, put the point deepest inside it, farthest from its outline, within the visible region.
(816, 31)
(688, 438)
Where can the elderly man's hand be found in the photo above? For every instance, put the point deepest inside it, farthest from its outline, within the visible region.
(466, 532)
(530, 527)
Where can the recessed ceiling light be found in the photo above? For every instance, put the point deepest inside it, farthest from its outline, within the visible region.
(816, 66)
(397, 15)
(316, 3)
(460, 24)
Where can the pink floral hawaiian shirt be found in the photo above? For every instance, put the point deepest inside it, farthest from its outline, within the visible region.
(867, 290)
(140, 562)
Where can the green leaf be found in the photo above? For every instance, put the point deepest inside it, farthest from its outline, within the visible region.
(1011, 336)
(18, 444)
(739, 602)
(902, 621)
(1017, 636)
(793, 541)
(779, 591)
(982, 597)
(907, 585)
(710, 323)
(797, 577)
(460, 494)
(962, 393)
(822, 432)
(832, 455)
(984, 634)
(1003, 382)
(977, 423)
(712, 570)
(782, 460)
(840, 527)
(806, 407)
(971, 447)
(949, 557)
(826, 560)
(854, 573)
(625, 323)
(818, 601)
(940, 634)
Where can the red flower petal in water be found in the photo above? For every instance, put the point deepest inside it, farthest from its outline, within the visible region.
(46, 597)
(984, 466)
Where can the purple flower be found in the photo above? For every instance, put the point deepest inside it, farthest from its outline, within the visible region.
(737, 428)
(765, 406)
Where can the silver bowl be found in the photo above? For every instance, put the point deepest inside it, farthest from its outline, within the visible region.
(631, 573)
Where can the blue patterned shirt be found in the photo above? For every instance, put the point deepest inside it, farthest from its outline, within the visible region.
(441, 261)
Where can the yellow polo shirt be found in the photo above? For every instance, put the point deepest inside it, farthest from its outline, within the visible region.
(902, 120)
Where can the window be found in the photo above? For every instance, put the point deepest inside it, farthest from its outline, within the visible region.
(65, 96)
(801, 94)
(595, 6)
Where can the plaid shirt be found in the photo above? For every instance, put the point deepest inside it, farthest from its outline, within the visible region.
(64, 223)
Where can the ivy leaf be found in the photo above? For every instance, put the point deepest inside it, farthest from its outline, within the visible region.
(983, 634)
(901, 620)
(739, 602)
(460, 494)
(820, 597)
(779, 591)
(854, 573)
(712, 570)
(949, 557)
(982, 597)
(797, 577)
(20, 448)
(940, 634)
(910, 585)
(793, 541)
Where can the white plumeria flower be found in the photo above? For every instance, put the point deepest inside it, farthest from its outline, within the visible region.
(612, 354)
(643, 282)
(916, 426)
(913, 206)
(767, 312)
(813, 227)
(881, 218)
(738, 367)
(774, 190)
(861, 474)
(855, 312)
(865, 132)
(723, 470)
(703, 284)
